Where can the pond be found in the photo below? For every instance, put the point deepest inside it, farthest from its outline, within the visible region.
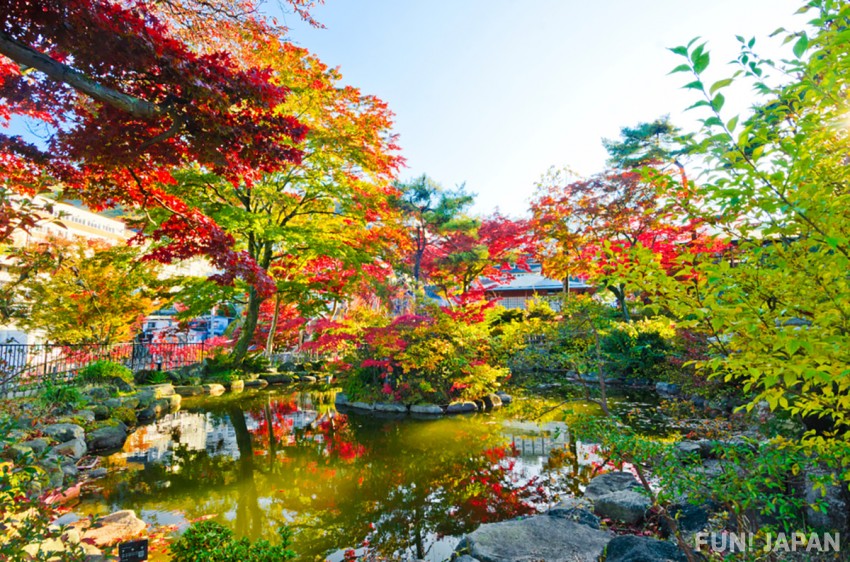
(393, 488)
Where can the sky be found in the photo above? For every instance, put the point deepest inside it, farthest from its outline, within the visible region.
(494, 92)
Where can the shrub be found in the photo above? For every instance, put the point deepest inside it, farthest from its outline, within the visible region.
(209, 541)
(436, 357)
(59, 395)
(638, 349)
(102, 371)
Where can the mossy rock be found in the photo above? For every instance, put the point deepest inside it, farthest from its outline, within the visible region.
(125, 415)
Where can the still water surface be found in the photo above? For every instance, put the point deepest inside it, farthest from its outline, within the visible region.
(392, 488)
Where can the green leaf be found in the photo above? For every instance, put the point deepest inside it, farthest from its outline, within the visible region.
(719, 84)
(681, 50)
(695, 85)
(681, 68)
(732, 123)
(801, 45)
(717, 102)
(701, 63)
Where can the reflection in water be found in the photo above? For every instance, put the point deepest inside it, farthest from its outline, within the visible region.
(390, 488)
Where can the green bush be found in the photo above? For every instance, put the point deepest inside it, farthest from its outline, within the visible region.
(102, 371)
(209, 541)
(54, 394)
(639, 349)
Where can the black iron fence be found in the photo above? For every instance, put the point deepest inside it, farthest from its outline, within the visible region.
(28, 367)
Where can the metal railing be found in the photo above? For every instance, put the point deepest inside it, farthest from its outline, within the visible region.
(25, 367)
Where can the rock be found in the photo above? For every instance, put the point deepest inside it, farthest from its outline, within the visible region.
(461, 408)
(629, 548)
(56, 477)
(479, 405)
(834, 499)
(99, 393)
(667, 388)
(115, 528)
(85, 415)
(17, 451)
(97, 473)
(426, 409)
(256, 383)
(92, 553)
(362, 406)
(75, 449)
(465, 558)
(63, 432)
(492, 402)
(101, 412)
(689, 449)
(340, 399)
(69, 469)
(37, 446)
(538, 538)
(107, 438)
(44, 550)
(112, 403)
(308, 378)
(610, 482)
(162, 390)
(189, 390)
(689, 518)
(236, 386)
(505, 398)
(579, 510)
(214, 389)
(627, 506)
(390, 407)
(276, 379)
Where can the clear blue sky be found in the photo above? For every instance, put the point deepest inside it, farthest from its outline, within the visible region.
(494, 92)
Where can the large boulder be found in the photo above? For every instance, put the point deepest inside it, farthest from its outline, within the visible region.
(461, 408)
(492, 402)
(539, 538)
(835, 500)
(426, 410)
(579, 510)
(115, 528)
(365, 406)
(107, 438)
(610, 482)
(505, 398)
(63, 432)
(214, 389)
(37, 446)
(393, 407)
(276, 379)
(627, 506)
(75, 449)
(689, 518)
(256, 383)
(185, 391)
(629, 548)
(669, 389)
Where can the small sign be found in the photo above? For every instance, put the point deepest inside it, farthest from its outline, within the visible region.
(133, 551)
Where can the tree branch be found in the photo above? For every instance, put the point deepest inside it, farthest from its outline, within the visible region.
(55, 70)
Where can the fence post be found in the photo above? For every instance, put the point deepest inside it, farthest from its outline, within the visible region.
(45, 362)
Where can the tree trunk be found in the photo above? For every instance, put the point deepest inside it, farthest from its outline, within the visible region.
(273, 327)
(252, 316)
(620, 293)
